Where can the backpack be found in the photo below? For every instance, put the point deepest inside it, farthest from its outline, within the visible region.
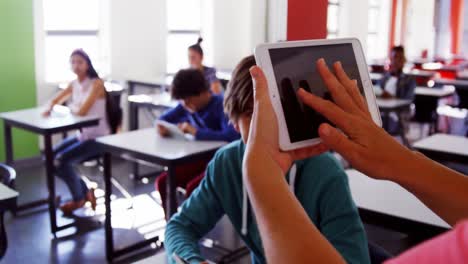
(114, 112)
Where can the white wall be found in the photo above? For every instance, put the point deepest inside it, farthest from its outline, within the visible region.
(238, 26)
(277, 20)
(442, 21)
(353, 20)
(465, 30)
(138, 38)
(420, 31)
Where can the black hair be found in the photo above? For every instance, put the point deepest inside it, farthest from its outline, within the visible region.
(398, 49)
(197, 47)
(91, 73)
(187, 83)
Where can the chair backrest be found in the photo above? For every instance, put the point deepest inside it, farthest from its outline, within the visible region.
(7, 174)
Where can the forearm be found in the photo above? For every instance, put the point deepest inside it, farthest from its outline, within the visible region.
(443, 190)
(181, 239)
(288, 235)
(60, 98)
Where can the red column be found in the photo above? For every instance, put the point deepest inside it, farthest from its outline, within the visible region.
(393, 23)
(307, 19)
(456, 25)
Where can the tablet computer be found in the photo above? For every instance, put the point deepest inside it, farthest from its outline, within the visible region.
(289, 66)
(174, 130)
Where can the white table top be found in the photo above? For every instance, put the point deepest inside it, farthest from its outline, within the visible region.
(376, 76)
(389, 198)
(148, 142)
(445, 91)
(162, 99)
(421, 73)
(444, 143)
(60, 117)
(7, 193)
(392, 103)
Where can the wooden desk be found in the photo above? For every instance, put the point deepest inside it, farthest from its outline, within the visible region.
(444, 91)
(147, 145)
(159, 101)
(155, 82)
(397, 106)
(33, 121)
(376, 77)
(388, 204)
(443, 147)
(426, 102)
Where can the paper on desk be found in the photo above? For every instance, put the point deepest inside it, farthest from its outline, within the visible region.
(7, 193)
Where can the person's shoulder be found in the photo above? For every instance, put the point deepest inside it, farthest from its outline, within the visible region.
(210, 69)
(231, 151)
(227, 161)
(325, 166)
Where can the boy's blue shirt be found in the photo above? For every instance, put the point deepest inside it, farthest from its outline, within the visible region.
(211, 122)
(321, 188)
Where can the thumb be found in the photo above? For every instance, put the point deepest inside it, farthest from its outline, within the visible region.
(259, 83)
(337, 141)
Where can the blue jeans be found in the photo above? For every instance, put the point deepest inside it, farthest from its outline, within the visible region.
(69, 153)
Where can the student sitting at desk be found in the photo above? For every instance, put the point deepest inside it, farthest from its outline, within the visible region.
(88, 97)
(395, 83)
(200, 113)
(319, 183)
(195, 57)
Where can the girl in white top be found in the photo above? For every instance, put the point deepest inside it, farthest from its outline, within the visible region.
(87, 97)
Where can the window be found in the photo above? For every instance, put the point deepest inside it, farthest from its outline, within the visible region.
(68, 25)
(333, 18)
(185, 26)
(378, 29)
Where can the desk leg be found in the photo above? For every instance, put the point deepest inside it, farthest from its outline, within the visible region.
(8, 143)
(107, 201)
(171, 203)
(386, 121)
(402, 131)
(133, 118)
(131, 90)
(49, 164)
(133, 110)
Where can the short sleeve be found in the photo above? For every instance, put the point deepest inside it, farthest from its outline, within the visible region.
(450, 247)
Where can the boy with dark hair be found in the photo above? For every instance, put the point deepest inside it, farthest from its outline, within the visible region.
(319, 183)
(199, 113)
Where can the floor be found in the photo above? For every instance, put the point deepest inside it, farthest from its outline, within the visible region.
(136, 214)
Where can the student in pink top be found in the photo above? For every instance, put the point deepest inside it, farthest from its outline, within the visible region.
(87, 97)
(369, 149)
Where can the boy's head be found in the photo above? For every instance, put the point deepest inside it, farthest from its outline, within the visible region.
(238, 98)
(191, 89)
(397, 58)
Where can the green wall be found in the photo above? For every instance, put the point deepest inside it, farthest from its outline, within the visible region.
(17, 77)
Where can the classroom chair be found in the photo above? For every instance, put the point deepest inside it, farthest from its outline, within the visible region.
(7, 177)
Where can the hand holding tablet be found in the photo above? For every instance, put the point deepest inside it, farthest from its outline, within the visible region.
(289, 66)
(167, 129)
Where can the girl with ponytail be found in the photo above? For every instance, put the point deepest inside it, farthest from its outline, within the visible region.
(195, 57)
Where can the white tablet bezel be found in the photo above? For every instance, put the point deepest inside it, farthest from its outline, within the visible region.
(263, 60)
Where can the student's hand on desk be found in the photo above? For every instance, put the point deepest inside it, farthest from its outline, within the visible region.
(263, 140)
(364, 144)
(187, 128)
(162, 131)
(47, 112)
(386, 95)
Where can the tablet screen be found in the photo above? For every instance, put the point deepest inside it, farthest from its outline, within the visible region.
(295, 67)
